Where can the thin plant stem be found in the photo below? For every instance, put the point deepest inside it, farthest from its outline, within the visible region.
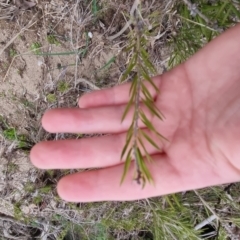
(137, 106)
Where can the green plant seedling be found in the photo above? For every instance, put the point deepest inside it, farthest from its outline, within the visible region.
(51, 39)
(35, 48)
(62, 86)
(51, 98)
(144, 69)
(12, 52)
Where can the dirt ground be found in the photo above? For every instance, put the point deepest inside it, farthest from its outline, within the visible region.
(39, 69)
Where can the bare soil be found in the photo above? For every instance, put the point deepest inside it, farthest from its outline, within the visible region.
(30, 84)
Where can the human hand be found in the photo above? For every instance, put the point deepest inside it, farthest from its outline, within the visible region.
(201, 102)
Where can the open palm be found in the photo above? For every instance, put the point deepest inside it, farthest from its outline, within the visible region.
(200, 100)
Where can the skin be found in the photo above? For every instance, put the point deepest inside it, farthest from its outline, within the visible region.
(200, 100)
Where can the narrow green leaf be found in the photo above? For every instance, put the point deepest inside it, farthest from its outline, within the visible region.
(127, 49)
(129, 137)
(150, 100)
(149, 125)
(226, 15)
(95, 7)
(148, 78)
(169, 202)
(146, 172)
(144, 53)
(236, 11)
(145, 73)
(149, 158)
(138, 155)
(146, 122)
(221, 9)
(146, 93)
(153, 109)
(139, 159)
(129, 105)
(150, 140)
(206, 32)
(161, 136)
(112, 60)
(145, 58)
(130, 131)
(143, 168)
(126, 166)
(124, 150)
(131, 65)
(176, 200)
(133, 87)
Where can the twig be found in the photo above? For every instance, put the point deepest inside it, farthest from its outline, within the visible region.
(12, 220)
(83, 80)
(2, 150)
(137, 108)
(77, 38)
(45, 232)
(7, 235)
(200, 24)
(205, 222)
(128, 23)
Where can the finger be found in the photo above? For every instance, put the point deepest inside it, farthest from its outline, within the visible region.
(104, 120)
(93, 120)
(86, 153)
(83, 153)
(169, 177)
(113, 96)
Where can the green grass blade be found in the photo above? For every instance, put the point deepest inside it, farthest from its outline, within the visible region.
(108, 64)
(221, 9)
(236, 11)
(95, 7)
(127, 49)
(226, 16)
(130, 131)
(59, 53)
